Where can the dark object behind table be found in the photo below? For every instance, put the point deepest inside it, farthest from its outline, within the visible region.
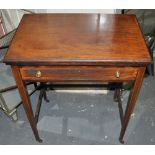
(146, 19)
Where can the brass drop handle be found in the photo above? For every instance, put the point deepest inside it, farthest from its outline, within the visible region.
(38, 74)
(117, 74)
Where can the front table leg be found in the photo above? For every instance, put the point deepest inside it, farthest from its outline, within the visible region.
(132, 100)
(25, 100)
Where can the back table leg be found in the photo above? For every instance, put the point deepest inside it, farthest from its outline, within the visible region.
(131, 102)
(25, 100)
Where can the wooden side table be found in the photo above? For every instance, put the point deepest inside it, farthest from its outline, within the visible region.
(78, 48)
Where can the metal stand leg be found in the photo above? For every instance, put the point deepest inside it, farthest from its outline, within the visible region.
(45, 96)
(120, 105)
(118, 87)
(117, 98)
(14, 116)
(116, 95)
(39, 105)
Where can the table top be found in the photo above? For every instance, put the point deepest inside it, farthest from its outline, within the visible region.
(78, 39)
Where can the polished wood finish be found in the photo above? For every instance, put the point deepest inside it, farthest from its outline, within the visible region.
(132, 101)
(78, 73)
(64, 48)
(78, 39)
(26, 101)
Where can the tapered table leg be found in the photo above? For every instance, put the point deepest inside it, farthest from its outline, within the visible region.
(131, 102)
(25, 100)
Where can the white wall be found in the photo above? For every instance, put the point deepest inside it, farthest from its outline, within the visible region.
(74, 10)
(12, 17)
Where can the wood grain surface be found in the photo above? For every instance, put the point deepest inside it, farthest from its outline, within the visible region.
(78, 39)
(79, 73)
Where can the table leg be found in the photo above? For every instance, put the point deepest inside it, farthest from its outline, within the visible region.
(131, 102)
(25, 100)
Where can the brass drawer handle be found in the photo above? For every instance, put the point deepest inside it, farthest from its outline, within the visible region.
(117, 74)
(38, 74)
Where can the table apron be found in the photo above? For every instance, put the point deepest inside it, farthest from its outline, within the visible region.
(78, 73)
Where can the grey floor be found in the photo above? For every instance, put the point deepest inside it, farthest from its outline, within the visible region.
(84, 119)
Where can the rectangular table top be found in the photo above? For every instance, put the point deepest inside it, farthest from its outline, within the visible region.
(65, 39)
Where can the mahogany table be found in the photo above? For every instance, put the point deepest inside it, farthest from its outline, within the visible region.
(78, 48)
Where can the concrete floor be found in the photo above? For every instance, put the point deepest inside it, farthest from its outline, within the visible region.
(84, 119)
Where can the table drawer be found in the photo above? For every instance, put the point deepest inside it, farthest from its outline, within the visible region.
(78, 73)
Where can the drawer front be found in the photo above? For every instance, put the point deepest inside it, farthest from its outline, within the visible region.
(78, 73)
